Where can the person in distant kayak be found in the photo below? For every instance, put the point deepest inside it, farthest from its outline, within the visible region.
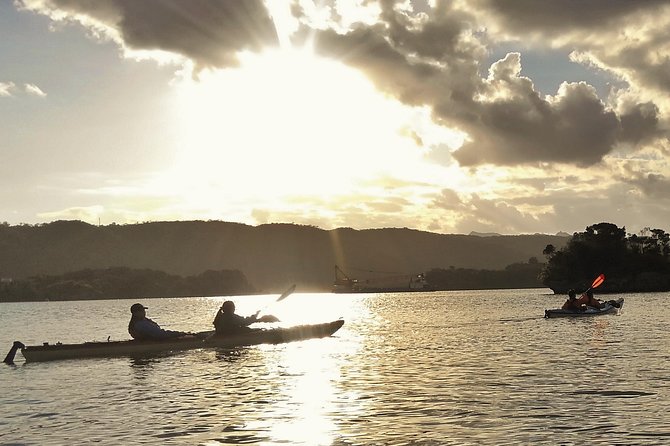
(227, 322)
(587, 300)
(142, 328)
(571, 304)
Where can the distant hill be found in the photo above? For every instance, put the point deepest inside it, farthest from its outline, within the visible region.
(123, 283)
(271, 256)
(484, 234)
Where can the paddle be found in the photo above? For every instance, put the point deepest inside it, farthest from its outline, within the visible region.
(597, 282)
(270, 318)
(288, 292)
(266, 318)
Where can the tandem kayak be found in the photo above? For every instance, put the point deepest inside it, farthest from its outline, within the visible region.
(48, 352)
(609, 307)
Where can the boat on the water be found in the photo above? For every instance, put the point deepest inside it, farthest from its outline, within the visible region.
(385, 282)
(608, 307)
(50, 352)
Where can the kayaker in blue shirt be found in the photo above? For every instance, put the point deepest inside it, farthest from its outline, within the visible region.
(142, 328)
(227, 322)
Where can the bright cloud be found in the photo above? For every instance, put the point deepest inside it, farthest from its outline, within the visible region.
(388, 112)
(34, 90)
(6, 89)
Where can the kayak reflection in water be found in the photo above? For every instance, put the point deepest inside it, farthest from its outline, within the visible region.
(142, 328)
(227, 322)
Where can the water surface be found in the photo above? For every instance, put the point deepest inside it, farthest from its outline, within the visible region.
(469, 367)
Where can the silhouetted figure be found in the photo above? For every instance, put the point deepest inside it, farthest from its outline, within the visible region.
(227, 322)
(588, 300)
(571, 304)
(142, 328)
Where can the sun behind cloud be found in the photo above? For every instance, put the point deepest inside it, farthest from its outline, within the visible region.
(285, 124)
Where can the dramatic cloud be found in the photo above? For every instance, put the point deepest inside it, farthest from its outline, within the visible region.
(435, 60)
(474, 213)
(209, 32)
(432, 56)
(555, 19)
(515, 125)
(629, 39)
(649, 178)
(595, 154)
(655, 186)
(640, 122)
(449, 200)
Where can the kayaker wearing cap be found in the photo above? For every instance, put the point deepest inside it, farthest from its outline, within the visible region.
(227, 322)
(142, 328)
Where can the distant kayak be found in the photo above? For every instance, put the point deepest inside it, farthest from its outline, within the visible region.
(201, 340)
(609, 307)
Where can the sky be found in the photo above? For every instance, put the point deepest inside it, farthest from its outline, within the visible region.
(505, 116)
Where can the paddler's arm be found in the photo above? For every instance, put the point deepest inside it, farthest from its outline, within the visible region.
(583, 299)
(246, 321)
(265, 318)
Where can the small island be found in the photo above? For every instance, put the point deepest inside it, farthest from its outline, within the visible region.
(631, 263)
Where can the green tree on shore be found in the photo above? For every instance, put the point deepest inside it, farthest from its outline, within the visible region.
(630, 262)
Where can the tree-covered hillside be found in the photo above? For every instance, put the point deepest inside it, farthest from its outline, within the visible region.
(271, 256)
(633, 262)
(112, 283)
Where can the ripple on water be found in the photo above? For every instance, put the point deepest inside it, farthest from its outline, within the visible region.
(614, 393)
(424, 369)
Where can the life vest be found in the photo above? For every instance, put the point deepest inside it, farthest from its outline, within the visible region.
(593, 302)
(570, 304)
(583, 300)
(131, 328)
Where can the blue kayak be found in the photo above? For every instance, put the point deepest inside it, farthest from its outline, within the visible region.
(608, 307)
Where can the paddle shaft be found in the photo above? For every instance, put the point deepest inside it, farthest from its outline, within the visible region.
(283, 296)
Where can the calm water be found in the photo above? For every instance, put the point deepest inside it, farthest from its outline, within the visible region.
(475, 367)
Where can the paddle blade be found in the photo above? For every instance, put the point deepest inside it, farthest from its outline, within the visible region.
(287, 293)
(598, 281)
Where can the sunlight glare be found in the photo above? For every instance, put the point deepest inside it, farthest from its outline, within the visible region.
(286, 123)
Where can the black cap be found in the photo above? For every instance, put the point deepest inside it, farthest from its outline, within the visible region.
(137, 307)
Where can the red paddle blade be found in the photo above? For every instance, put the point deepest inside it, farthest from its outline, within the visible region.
(599, 281)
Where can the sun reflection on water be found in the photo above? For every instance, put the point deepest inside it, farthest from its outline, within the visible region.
(478, 367)
(308, 396)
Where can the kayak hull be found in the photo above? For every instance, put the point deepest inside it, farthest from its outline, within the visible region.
(38, 353)
(610, 307)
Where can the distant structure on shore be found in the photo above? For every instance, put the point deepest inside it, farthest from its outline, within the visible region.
(387, 282)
